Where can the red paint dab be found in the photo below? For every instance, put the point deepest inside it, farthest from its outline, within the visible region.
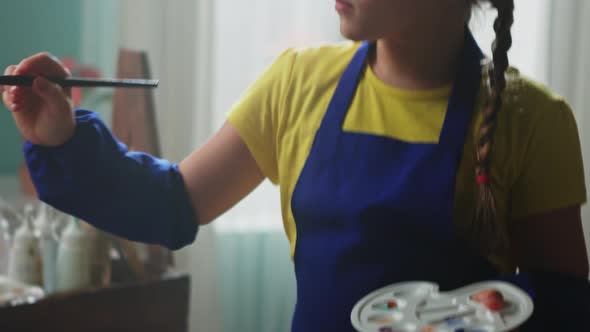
(490, 298)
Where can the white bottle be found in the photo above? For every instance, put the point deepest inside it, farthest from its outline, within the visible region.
(73, 266)
(5, 245)
(49, 244)
(25, 258)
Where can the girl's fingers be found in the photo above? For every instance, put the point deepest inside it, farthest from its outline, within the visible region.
(42, 64)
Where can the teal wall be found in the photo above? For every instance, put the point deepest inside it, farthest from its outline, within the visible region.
(28, 27)
(256, 278)
(100, 31)
(84, 29)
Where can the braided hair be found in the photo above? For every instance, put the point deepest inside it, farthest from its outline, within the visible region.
(489, 235)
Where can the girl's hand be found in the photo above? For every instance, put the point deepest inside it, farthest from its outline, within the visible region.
(43, 113)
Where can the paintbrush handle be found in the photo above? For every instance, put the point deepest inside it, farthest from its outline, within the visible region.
(24, 80)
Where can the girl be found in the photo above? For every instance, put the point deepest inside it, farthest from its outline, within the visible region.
(402, 155)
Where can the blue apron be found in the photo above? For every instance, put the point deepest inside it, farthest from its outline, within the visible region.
(372, 210)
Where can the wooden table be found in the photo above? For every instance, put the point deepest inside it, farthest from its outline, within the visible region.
(158, 305)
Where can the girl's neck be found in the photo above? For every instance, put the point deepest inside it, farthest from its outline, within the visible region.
(421, 63)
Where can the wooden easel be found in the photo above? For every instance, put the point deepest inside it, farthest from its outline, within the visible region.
(134, 123)
(133, 118)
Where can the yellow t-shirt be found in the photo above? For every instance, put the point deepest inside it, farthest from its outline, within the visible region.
(536, 162)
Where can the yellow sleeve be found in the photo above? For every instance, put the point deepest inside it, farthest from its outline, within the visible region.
(256, 114)
(552, 175)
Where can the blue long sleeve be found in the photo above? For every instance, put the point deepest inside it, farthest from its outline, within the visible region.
(94, 177)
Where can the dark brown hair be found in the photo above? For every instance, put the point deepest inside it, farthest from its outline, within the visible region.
(488, 233)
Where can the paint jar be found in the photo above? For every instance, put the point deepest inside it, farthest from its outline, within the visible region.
(73, 256)
(25, 258)
(48, 244)
(5, 245)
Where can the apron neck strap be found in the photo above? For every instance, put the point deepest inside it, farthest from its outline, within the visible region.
(461, 103)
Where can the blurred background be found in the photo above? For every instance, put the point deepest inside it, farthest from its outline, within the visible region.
(205, 53)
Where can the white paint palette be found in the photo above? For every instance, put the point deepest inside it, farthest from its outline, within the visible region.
(420, 307)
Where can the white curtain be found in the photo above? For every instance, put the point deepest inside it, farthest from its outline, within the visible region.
(569, 71)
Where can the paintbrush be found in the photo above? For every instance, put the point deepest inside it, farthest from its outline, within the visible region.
(24, 80)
